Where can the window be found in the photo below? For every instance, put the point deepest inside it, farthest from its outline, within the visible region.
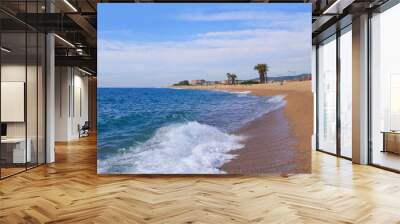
(346, 92)
(385, 89)
(327, 95)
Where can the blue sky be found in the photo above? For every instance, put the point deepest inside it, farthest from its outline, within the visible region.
(158, 44)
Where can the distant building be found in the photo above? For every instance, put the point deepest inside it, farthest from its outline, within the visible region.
(198, 82)
(211, 82)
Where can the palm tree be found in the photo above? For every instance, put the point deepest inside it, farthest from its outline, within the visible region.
(262, 71)
(228, 76)
(234, 77)
(231, 78)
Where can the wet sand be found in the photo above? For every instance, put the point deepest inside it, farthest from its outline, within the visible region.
(280, 141)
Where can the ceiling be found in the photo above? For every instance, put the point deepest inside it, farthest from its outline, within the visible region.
(75, 22)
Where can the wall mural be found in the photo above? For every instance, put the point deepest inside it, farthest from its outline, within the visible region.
(204, 88)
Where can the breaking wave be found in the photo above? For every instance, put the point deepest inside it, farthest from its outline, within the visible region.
(186, 148)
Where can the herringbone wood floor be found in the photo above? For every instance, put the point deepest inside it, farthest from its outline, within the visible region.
(70, 191)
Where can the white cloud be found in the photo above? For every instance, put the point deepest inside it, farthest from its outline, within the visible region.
(256, 19)
(280, 39)
(241, 16)
(208, 55)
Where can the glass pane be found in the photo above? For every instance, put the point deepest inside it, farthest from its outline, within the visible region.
(13, 86)
(327, 96)
(22, 89)
(41, 98)
(31, 88)
(346, 94)
(31, 98)
(386, 89)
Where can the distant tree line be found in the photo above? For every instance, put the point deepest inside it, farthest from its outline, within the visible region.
(182, 83)
(232, 78)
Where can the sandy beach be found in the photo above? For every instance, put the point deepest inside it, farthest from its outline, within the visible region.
(280, 141)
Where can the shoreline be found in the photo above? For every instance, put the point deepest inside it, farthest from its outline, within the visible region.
(286, 131)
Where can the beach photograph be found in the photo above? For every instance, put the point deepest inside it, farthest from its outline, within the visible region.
(204, 89)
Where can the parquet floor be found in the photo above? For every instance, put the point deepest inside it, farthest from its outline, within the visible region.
(70, 191)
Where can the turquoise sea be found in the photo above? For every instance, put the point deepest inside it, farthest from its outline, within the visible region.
(174, 131)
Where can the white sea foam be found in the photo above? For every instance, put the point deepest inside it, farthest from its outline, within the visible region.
(243, 92)
(189, 148)
(277, 101)
(232, 92)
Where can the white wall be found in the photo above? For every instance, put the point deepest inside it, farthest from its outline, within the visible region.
(70, 84)
(33, 126)
(79, 115)
(13, 101)
(62, 85)
(17, 73)
(12, 73)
